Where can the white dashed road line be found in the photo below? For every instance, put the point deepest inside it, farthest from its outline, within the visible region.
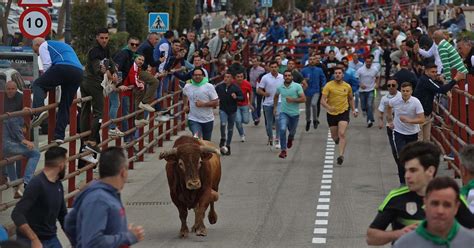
(322, 214)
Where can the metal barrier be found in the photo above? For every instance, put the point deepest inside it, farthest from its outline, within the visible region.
(453, 124)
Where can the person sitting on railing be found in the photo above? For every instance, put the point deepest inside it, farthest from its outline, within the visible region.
(14, 141)
(62, 68)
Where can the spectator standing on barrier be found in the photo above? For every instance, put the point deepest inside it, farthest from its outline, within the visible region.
(449, 56)
(62, 68)
(199, 98)
(14, 141)
(337, 98)
(101, 202)
(243, 106)
(267, 88)
(408, 113)
(316, 80)
(255, 72)
(428, 86)
(43, 203)
(367, 75)
(467, 173)
(403, 207)
(440, 228)
(163, 52)
(91, 86)
(392, 87)
(229, 95)
(291, 95)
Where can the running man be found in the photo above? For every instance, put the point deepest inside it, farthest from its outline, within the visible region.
(337, 96)
(292, 95)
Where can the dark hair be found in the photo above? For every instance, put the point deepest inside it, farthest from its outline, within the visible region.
(199, 69)
(430, 65)
(339, 68)
(288, 71)
(169, 34)
(406, 84)
(111, 161)
(426, 152)
(102, 31)
(440, 183)
(273, 62)
(133, 38)
(176, 41)
(53, 154)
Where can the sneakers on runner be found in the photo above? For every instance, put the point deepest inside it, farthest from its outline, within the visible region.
(370, 124)
(290, 143)
(340, 160)
(38, 119)
(282, 154)
(337, 141)
(116, 132)
(242, 138)
(315, 124)
(277, 144)
(308, 125)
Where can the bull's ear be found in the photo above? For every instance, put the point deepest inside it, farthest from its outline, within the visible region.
(170, 155)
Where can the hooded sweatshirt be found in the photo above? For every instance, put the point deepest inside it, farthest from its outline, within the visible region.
(98, 219)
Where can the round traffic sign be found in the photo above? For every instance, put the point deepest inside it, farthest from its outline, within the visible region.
(35, 22)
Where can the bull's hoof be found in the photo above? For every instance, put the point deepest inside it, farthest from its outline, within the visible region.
(212, 217)
(201, 231)
(184, 232)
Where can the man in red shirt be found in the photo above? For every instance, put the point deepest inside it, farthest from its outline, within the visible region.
(243, 114)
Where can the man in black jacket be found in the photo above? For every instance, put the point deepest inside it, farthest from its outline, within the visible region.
(405, 75)
(229, 94)
(146, 49)
(425, 91)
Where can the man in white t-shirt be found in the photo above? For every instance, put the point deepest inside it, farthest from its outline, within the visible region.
(367, 75)
(199, 99)
(267, 88)
(408, 113)
(392, 93)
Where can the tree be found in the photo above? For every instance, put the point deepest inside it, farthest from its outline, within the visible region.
(242, 7)
(136, 17)
(5, 21)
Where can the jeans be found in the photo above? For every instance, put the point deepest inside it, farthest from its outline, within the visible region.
(227, 122)
(114, 106)
(269, 118)
(69, 78)
(287, 122)
(356, 100)
(367, 103)
(311, 107)
(401, 140)
(125, 111)
(257, 105)
(203, 130)
(49, 243)
(242, 117)
(13, 148)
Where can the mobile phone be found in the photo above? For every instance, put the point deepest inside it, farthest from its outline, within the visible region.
(119, 75)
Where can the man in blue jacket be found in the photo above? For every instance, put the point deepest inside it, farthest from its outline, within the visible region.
(98, 215)
(61, 68)
(316, 81)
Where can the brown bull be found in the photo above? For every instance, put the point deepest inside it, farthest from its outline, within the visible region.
(193, 169)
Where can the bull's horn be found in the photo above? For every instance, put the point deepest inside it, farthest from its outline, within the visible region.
(210, 149)
(165, 154)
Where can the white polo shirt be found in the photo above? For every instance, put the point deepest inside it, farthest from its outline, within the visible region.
(205, 93)
(367, 77)
(270, 84)
(384, 100)
(411, 109)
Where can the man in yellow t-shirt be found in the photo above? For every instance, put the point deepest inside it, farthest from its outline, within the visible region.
(336, 98)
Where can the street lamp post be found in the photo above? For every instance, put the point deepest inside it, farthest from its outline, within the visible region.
(67, 26)
(123, 18)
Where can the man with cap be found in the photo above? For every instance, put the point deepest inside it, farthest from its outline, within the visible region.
(404, 74)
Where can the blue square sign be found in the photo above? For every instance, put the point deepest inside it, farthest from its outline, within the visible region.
(158, 22)
(266, 3)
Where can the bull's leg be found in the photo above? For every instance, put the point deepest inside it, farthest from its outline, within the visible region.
(199, 226)
(212, 216)
(183, 215)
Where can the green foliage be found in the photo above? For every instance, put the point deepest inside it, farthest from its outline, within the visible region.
(136, 16)
(187, 10)
(118, 41)
(243, 7)
(302, 4)
(85, 23)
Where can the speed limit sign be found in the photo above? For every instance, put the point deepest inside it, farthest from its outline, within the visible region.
(35, 22)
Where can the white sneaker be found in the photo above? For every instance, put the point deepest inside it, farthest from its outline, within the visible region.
(58, 141)
(90, 159)
(116, 132)
(242, 138)
(162, 118)
(357, 110)
(146, 107)
(277, 144)
(37, 120)
(141, 122)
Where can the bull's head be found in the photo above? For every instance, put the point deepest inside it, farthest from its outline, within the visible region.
(189, 158)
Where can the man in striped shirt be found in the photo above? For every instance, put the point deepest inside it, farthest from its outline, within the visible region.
(449, 56)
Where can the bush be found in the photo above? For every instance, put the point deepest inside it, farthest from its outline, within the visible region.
(118, 41)
(137, 18)
(85, 24)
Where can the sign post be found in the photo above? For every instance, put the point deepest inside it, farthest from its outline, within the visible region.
(158, 22)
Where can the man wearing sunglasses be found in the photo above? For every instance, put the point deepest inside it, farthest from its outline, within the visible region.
(392, 93)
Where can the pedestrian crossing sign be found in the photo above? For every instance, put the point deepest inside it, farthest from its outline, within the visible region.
(267, 3)
(158, 22)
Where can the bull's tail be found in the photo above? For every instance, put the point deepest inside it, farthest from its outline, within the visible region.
(212, 214)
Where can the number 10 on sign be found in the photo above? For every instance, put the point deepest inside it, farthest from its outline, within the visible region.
(35, 22)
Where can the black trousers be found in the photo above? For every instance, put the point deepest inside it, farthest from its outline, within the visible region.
(400, 141)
